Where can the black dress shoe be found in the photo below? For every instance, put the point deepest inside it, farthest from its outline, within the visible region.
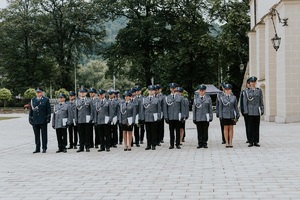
(101, 150)
(70, 147)
(107, 150)
(129, 149)
(58, 151)
(87, 150)
(36, 151)
(162, 141)
(80, 150)
(183, 140)
(65, 150)
(180, 144)
(171, 147)
(114, 146)
(96, 146)
(75, 147)
(120, 143)
(227, 146)
(223, 142)
(256, 144)
(125, 149)
(148, 148)
(199, 146)
(158, 144)
(141, 142)
(178, 147)
(137, 145)
(44, 151)
(153, 148)
(205, 146)
(250, 145)
(247, 141)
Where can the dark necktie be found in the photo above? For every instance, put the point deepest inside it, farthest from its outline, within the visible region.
(126, 104)
(150, 98)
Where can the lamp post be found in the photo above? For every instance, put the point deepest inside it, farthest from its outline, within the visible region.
(241, 67)
(276, 40)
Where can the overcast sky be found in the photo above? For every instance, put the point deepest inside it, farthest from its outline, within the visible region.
(3, 3)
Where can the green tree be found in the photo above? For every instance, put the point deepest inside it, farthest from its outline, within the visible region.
(5, 95)
(29, 93)
(61, 90)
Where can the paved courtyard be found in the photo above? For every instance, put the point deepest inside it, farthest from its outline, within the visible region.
(269, 172)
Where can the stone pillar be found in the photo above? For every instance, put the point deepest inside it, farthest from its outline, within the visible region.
(288, 63)
(252, 52)
(270, 72)
(260, 52)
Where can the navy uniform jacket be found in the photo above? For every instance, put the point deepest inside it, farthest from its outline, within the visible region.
(202, 108)
(253, 102)
(150, 108)
(40, 111)
(103, 112)
(62, 116)
(84, 111)
(126, 111)
(228, 107)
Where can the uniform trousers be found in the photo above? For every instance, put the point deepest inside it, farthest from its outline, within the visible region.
(202, 131)
(253, 123)
(40, 129)
(246, 119)
(114, 134)
(97, 136)
(161, 130)
(151, 133)
(85, 135)
(174, 126)
(105, 135)
(120, 133)
(142, 132)
(61, 135)
(73, 135)
(136, 134)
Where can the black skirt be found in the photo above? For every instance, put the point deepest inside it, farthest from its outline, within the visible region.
(228, 122)
(127, 128)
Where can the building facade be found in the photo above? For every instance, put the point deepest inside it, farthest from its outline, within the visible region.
(278, 72)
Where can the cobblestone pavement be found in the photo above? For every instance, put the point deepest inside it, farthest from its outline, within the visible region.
(269, 172)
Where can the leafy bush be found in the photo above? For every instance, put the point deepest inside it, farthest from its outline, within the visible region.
(29, 93)
(5, 95)
(61, 90)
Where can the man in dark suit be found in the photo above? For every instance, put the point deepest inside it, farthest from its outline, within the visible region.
(39, 117)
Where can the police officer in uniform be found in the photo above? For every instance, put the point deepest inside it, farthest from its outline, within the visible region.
(254, 108)
(161, 123)
(103, 118)
(219, 95)
(136, 103)
(84, 118)
(179, 91)
(202, 115)
(119, 100)
(228, 113)
(62, 118)
(243, 93)
(140, 126)
(174, 113)
(39, 117)
(95, 99)
(126, 115)
(72, 128)
(113, 126)
(150, 112)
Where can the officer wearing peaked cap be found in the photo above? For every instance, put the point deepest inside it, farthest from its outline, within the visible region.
(179, 91)
(62, 117)
(95, 99)
(119, 100)
(202, 115)
(136, 103)
(39, 117)
(174, 113)
(113, 126)
(84, 118)
(254, 108)
(219, 95)
(161, 123)
(140, 130)
(243, 93)
(150, 114)
(72, 129)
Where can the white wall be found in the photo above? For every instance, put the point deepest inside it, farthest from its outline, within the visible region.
(262, 8)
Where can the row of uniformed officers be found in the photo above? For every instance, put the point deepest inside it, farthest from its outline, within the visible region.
(105, 116)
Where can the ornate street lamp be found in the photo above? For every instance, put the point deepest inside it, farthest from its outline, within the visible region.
(276, 42)
(241, 67)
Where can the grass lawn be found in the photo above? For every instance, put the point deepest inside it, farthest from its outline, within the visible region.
(6, 118)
